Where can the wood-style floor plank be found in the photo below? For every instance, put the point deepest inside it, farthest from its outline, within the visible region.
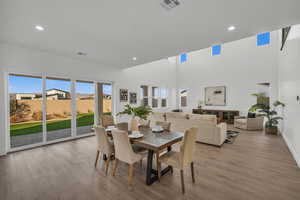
(256, 166)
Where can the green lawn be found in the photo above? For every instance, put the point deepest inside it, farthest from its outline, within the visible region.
(36, 127)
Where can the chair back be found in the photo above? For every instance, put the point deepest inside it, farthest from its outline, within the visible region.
(187, 148)
(107, 120)
(123, 148)
(165, 125)
(123, 126)
(104, 145)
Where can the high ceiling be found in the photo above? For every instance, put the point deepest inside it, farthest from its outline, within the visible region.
(112, 32)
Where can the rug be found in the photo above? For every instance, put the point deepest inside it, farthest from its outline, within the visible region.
(231, 136)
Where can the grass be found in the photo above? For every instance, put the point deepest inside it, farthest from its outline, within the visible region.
(37, 127)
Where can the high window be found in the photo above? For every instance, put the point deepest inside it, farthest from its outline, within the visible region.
(263, 39)
(216, 50)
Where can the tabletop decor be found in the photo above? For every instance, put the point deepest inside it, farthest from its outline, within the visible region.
(141, 112)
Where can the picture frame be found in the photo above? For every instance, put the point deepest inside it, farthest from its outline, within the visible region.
(215, 96)
(123, 95)
(133, 98)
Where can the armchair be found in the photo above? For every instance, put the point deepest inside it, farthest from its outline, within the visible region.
(247, 123)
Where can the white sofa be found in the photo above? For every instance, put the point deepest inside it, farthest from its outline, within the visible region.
(208, 130)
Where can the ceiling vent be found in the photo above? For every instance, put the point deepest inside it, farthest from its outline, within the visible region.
(169, 4)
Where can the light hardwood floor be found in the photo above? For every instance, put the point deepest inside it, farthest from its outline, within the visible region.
(255, 167)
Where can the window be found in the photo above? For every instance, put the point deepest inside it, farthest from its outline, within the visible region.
(163, 96)
(155, 95)
(263, 39)
(144, 92)
(183, 97)
(183, 58)
(216, 50)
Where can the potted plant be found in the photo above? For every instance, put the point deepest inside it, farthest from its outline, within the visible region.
(141, 112)
(271, 126)
(200, 103)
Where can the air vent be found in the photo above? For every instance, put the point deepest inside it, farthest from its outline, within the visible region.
(81, 53)
(169, 4)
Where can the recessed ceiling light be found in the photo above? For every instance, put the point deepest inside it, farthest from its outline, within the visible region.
(39, 28)
(134, 58)
(231, 28)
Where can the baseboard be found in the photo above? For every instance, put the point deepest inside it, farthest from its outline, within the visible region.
(292, 149)
(2, 153)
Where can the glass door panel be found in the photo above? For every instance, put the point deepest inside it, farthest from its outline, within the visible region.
(85, 102)
(25, 110)
(107, 99)
(58, 116)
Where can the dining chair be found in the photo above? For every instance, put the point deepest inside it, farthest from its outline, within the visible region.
(165, 125)
(123, 126)
(105, 146)
(107, 120)
(144, 125)
(124, 152)
(182, 159)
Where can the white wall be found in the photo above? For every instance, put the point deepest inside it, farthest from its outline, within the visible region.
(289, 89)
(2, 116)
(28, 61)
(240, 67)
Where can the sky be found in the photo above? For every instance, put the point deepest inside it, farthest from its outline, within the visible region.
(19, 84)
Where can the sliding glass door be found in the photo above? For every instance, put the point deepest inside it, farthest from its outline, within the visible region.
(49, 109)
(85, 104)
(58, 107)
(25, 110)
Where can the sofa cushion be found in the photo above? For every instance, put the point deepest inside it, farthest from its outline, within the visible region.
(204, 118)
(177, 115)
(241, 121)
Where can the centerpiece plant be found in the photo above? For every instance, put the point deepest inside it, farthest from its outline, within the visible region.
(140, 112)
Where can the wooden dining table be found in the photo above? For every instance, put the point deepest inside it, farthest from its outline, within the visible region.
(156, 142)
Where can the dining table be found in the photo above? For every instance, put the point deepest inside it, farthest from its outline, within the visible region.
(154, 143)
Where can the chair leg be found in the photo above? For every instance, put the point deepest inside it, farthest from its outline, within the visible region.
(130, 174)
(182, 181)
(97, 158)
(115, 167)
(107, 164)
(158, 165)
(141, 163)
(193, 173)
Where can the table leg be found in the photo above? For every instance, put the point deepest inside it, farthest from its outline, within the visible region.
(152, 174)
(169, 148)
(149, 167)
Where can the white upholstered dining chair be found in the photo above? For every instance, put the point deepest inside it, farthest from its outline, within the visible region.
(185, 157)
(124, 152)
(104, 146)
(165, 125)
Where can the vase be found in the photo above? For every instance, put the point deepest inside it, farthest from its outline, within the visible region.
(134, 125)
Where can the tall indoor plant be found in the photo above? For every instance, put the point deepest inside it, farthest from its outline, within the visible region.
(271, 126)
(141, 112)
